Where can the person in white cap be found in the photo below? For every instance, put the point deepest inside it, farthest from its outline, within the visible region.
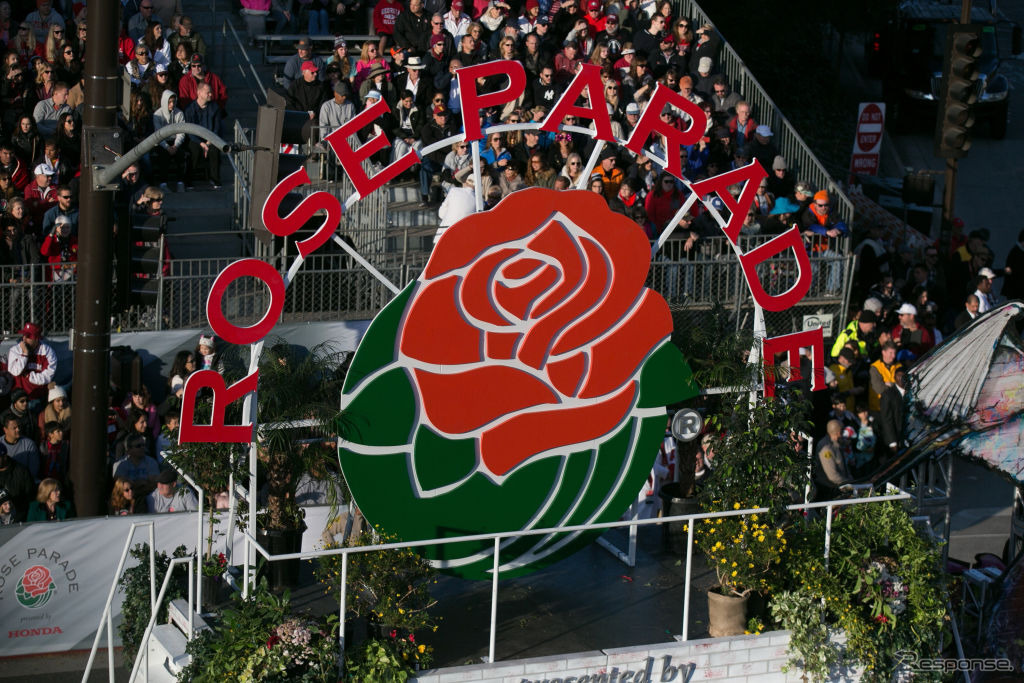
(983, 290)
(909, 334)
(57, 409)
(41, 194)
(762, 148)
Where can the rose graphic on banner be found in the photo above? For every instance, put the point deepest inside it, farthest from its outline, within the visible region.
(519, 383)
(35, 587)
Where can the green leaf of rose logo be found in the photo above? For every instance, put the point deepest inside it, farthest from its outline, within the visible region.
(519, 383)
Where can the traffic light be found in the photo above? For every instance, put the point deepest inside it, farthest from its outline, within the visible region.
(959, 91)
(146, 259)
(278, 139)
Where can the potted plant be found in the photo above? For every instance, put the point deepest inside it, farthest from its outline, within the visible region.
(210, 466)
(744, 552)
(757, 465)
(391, 590)
(880, 595)
(293, 390)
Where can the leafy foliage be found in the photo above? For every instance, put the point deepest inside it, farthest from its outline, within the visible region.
(293, 389)
(377, 661)
(258, 640)
(135, 584)
(756, 461)
(388, 587)
(717, 352)
(883, 588)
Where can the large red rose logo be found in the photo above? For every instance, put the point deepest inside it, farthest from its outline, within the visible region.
(37, 581)
(519, 383)
(35, 587)
(525, 333)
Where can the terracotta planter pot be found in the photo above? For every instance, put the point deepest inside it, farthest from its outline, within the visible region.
(727, 614)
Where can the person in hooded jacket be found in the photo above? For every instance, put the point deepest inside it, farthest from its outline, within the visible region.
(169, 155)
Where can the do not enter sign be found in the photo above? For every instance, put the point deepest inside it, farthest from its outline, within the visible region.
(869, 128)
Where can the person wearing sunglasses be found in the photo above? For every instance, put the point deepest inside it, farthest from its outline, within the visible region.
(141, 68)
(40, 21)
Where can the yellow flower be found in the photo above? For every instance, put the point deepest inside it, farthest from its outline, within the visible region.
(421, 648)
(734, 564)
(401, 611)
(734, 572)
(753, 517)
(735, 506)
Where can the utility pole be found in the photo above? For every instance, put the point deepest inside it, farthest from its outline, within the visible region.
(91, 338)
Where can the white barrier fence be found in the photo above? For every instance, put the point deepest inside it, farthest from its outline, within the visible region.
(55, 576)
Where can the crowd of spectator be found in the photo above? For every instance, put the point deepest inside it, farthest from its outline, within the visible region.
(411, 61)
(35, 415)
(42, 96)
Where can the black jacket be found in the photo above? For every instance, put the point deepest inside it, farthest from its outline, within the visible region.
(413, 31)
(303, 96)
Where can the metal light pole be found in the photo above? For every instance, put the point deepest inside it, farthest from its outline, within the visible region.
(91, 338)
(949, 191)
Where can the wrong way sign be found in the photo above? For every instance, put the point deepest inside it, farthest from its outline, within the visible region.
(867, 141)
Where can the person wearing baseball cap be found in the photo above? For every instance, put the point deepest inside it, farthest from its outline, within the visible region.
(308, 92)
(909, 334)
(983, 290)
(33, 364)
(169, 497)
(337, 110)
(303, 53)
(456, 21)
(861, 331)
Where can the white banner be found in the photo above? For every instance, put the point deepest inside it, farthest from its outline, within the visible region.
(55, 576)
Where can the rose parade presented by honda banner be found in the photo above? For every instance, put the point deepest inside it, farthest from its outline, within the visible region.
(521, 382)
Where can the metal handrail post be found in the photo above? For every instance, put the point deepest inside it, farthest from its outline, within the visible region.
(828, 534)
(106, 609)
(686, 589)
(494, 600)
(342, 609)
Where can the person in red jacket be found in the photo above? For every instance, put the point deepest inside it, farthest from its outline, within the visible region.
(41, 194)
(60, 249)
(10, 162)
(198, 73)
(385, 14)
(32, 362)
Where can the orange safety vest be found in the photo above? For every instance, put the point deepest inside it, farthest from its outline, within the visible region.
(888, 376)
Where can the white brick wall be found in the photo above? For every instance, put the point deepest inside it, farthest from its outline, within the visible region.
(740, 659)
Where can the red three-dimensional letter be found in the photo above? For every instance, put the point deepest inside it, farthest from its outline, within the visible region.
(589, 78)
(472, 102)
(351, 159)
(216, 431)
(251, 267)
(650, 122)
(790, 344)
(751, 176)
(752, 259)
(307, 208)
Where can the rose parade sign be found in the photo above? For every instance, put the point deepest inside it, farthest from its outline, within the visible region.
(521, 381)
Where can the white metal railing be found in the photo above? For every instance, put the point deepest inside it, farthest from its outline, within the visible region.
(106, 617)
(143, 654)
(690, 520)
